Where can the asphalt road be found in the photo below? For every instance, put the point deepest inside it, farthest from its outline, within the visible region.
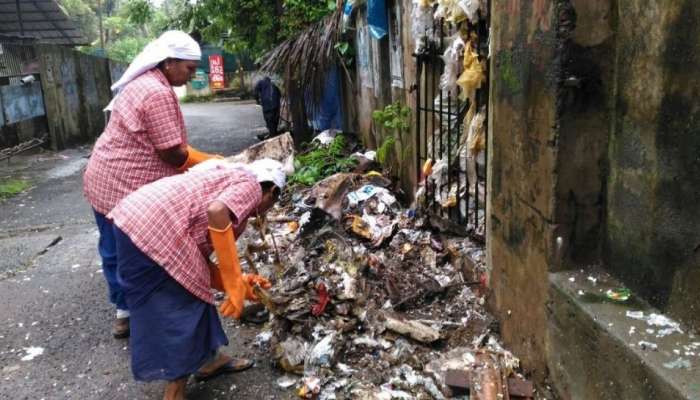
(55, 340)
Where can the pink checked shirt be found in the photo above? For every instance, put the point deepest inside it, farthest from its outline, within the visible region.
(146, 118)
(167, 220)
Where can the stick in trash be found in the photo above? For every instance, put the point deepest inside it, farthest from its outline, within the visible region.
(262, 226)
(264, 298)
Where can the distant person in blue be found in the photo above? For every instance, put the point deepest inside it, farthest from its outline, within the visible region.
(268, 96)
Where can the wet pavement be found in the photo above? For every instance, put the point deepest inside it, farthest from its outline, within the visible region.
(55, 340)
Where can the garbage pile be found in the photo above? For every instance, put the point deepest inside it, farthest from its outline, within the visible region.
(374, 301)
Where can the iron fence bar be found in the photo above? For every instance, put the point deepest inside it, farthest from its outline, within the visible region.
(429, 190)
(449, 149)
(419, 169)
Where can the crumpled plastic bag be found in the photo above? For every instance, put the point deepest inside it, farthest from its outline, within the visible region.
(453, 11)
(471, 8)
(476, 138)
(422, 27)
(473, 76)
(377, 18)
(453, 66)
(291, 355)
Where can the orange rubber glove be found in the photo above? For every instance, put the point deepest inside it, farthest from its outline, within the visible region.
(235, 287)
(252, 280)
(195, 157)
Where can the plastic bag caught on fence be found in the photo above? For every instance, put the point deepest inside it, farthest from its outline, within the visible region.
(476, 138)
(471, 9)
(377, 18)
(473, 76)
(422, 28)
(453, 66)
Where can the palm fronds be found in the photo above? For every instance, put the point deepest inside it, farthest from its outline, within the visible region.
(307, 58)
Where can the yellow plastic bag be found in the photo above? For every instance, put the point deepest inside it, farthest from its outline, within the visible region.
(473, 76)
(476, 139)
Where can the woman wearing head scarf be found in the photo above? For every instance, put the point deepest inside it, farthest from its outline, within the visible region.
(144, 141)
(165, 233)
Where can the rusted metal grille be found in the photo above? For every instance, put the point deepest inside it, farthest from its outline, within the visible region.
(15, 59)
(458, 191)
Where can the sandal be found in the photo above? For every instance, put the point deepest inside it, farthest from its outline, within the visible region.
(233, 366)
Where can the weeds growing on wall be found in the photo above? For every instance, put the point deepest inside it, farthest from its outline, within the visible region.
(393, 120)
(321, 162)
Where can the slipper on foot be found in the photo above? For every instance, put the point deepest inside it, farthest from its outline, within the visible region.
(230, 367)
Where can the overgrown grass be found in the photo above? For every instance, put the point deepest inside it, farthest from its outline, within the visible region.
(12, 187)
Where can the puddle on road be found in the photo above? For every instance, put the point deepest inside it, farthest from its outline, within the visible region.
(70, 168)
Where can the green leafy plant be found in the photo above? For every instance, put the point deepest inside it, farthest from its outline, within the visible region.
(393, 120)
(346, 53)
(321, 162)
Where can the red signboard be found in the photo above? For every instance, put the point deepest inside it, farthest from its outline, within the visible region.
(216, 72)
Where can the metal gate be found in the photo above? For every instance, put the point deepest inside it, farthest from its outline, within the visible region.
(456, 187)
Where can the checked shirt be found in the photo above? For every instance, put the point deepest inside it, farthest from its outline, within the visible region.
(146, 118)
(167, 220)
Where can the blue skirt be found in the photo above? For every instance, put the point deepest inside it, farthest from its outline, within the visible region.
(173, 333)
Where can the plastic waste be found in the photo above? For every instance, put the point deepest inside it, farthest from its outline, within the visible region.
(620, 294)
(320, 356)
(377, 18)
(471, 8)
(368, 191)
(413, 379)
(291, 355)
(476, 139)
(680, 363)
(669, 326)
(453, 65)
(473, 76)
(423, 27)
(644, 345)
(323, 300)
(326, 137)
(311, 388)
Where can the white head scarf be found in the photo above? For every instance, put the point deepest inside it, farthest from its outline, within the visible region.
(171, 44)
(268, 170)
(265, 170)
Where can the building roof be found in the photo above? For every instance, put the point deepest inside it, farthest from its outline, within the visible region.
(42, 20)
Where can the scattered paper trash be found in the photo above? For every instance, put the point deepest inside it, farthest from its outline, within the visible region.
(679, 363)
(644, 345)
(32, 353)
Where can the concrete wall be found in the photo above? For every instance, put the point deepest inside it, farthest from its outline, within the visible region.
(653, 213)
(593, 160)
(521, 178)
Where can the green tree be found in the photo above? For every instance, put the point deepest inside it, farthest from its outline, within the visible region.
(83, 13)
(252, 26)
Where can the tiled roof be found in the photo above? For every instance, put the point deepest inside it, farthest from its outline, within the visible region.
(42, 20)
